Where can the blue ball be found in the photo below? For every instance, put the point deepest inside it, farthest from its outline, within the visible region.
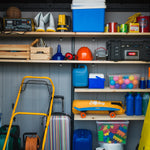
(126, 77)
(123, 86)
(117, 85)
(112, 82)
(130, 86)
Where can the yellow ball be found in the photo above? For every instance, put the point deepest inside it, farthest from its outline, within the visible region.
(131, 77)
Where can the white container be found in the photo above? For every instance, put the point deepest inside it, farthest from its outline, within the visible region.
(84, 2)
(88, 4)
(108, 146)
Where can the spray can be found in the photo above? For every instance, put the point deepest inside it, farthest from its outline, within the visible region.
(145, 101)
(138, 104)
(148, 80)
(129, 104)
(142, 83)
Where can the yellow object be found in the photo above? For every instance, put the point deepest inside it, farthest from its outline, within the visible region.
(40, 30)
(62, 23)
(132, 19)
(97, 107)
(145, 135)
(134, 27)
(14, 113)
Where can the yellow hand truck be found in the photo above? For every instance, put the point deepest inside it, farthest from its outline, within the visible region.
(14, 113)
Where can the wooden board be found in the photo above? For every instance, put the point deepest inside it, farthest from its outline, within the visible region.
(8, 51)
(41, 53)
(107, 117)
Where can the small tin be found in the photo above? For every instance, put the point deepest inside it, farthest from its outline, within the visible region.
(124, 28)
(113, 26)
(107, 27)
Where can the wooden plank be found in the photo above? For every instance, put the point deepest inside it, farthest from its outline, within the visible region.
(40, 57)
(107, 117)
(16, 55)
(41, 53)
(72, 34)
(107, 89)
(11, 47)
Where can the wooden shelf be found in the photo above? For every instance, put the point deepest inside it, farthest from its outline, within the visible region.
(75, 61)
(107, 89)
(107, 117)
(71, 34)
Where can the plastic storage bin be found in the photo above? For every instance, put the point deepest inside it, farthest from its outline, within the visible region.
(80, 76)
(126, 81)
(96, 80)
(112, 132)
(88, 16)
(82, 139)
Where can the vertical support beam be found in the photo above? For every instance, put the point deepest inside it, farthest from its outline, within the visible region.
(72, 90)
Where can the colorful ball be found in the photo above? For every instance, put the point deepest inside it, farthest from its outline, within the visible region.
(120, 76)
(111, 78)
(117, 85)
(130, 86)
(135, 82)
(120, 81)
(126, 81)
(126, 77)
(112, 82)
(116, 78)
(131, 77)
(136, 77)
(112, 86)
(123, 86)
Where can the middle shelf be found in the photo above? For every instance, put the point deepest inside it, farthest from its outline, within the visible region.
(107, 117)
(107, 89)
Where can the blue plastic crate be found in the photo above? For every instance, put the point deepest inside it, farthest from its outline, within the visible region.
(88, 20)
(82, 139)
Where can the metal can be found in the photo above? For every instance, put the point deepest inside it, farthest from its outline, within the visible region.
(144, 22)
(124, 28)
(107, 27)
(113, 26)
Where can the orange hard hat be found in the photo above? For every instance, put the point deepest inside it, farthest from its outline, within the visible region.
(84, 53)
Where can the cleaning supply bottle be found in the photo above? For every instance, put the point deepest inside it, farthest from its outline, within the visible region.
(145, 101)
(138, 104)
(129, 104)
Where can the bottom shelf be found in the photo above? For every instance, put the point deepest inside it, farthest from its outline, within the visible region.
(107, 117)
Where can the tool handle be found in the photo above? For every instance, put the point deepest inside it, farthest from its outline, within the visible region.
(62, 99)
(34, 42)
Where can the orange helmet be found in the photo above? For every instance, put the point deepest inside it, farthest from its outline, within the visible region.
(84, 53)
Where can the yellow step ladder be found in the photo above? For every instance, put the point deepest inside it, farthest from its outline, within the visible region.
(145, 135)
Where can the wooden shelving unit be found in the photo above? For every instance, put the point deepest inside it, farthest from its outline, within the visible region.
(107, 117)
(70, 34)
(107, 90)
(74, 61)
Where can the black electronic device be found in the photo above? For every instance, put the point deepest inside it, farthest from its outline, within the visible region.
(21, 24)
(1, 23)
(128, 50)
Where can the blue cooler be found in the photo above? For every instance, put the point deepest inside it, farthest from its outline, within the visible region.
(82, 139)
(80, 76)
(96, 80)
(88, 16)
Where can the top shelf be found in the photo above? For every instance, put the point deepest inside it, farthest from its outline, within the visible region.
(70, 34)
